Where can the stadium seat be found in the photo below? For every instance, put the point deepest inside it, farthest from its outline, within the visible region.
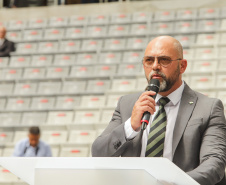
(64, 60)
(206, 39)
(18, 104)
(96, 31)
(209, 13)
(205, 66)
(48, 47)
(221, 52)
(114, 44)
(91, 45)
(26, 48)
(142, 17)
(76, 151)
(205, 53)
(19, 61)
(104, 70)
(110, 58)
(185, 27)
(186, 40)
(6, 137)
(55, 136)
(69, 46)
(16, 25)
(82, 71)
(186, 14)
(49, 87)
(11, 74)
(58, 22)
(53, 34)
(98, 86)
(42, 103)
(37, 23)
(67, 102)
(139, 29)
(222, 65)
(221, 80)
(92, 101)
(202, 82)
(2, 103)
(41, 60)
(6, 176)
(120, 18)
(112, 100)
(167, 15)
(98, 20)
(223, 25)
(208, 25)
(87, 117)
(10, 119)
(129, 69)
(132, 57)
(222, 96)
(19, 135)
(6, 88)
(34, 73)
(188, 53)
(118, 30)
(87, 58)
(78, 20)
(123, 85)
(142, 84)
(73, 87)
(136, 43)
(57, 72)
(161, 28)
(82, 136)
(14, 36)
(60, 118)
(4, 61)
(32, 35)
(75, 33)
(22, 88)
(34, 118)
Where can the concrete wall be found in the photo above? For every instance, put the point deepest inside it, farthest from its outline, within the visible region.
(104, 8)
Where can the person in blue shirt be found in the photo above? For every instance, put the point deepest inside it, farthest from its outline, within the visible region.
(32, 146)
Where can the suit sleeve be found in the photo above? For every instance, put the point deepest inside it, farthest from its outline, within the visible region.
(112, 142)
(9, 48)
(213, 149)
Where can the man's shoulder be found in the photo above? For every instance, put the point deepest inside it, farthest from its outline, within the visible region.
(43, 143)
(131, 96)
(22, 141)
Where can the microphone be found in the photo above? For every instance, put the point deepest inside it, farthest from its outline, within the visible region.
(152, 86)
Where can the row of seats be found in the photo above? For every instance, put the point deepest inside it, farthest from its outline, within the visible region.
(8, 178)
(79, 20)
(59, 102)
(80, 117)
(113, 31)
(76, 71)
(51, 137)
(71, 59)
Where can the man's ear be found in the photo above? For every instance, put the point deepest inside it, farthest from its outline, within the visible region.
(183, 66)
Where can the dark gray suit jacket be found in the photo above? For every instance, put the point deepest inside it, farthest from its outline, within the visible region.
(6, 48)
(199, 138)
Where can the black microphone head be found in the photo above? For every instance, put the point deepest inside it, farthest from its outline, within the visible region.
(153, 86)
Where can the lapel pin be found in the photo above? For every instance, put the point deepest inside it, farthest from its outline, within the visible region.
(191, 102)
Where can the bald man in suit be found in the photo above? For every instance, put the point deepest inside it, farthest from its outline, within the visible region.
(195, 127)
(6, 46)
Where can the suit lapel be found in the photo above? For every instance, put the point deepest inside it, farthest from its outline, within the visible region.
(188, 102)
(3, 44)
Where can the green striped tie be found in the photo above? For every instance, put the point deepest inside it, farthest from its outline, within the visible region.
(156, 137)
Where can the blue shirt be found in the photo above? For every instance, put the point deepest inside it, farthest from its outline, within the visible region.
(24, 149)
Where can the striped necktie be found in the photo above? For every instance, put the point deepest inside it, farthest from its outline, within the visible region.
(156, 137)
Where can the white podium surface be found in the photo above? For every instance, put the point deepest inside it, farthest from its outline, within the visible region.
(97, 171)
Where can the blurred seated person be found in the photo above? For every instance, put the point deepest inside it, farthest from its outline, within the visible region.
(29, 3)
(32, 146)
(6, 46)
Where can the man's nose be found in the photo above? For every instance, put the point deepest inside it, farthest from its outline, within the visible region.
(156, 64)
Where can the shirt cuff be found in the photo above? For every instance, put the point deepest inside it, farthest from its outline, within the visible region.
(130, 133)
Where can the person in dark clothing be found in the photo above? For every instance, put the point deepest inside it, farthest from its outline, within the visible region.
(28, 3)
(6, 46)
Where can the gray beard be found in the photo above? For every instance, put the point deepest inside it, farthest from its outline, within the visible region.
(166, 83)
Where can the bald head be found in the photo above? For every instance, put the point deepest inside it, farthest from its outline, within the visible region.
(165, 43)
(2, 32)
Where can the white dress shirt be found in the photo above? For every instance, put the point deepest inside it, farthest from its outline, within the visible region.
(171, 109)
(1, 41)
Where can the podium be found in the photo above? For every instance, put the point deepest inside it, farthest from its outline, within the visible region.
(97, 171)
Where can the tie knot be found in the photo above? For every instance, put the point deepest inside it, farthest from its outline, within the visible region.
(163, 101)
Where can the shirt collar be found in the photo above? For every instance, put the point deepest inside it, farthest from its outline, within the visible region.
(28, 144)
(175, 96)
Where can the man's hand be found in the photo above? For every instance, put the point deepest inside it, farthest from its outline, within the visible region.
(143, 104)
